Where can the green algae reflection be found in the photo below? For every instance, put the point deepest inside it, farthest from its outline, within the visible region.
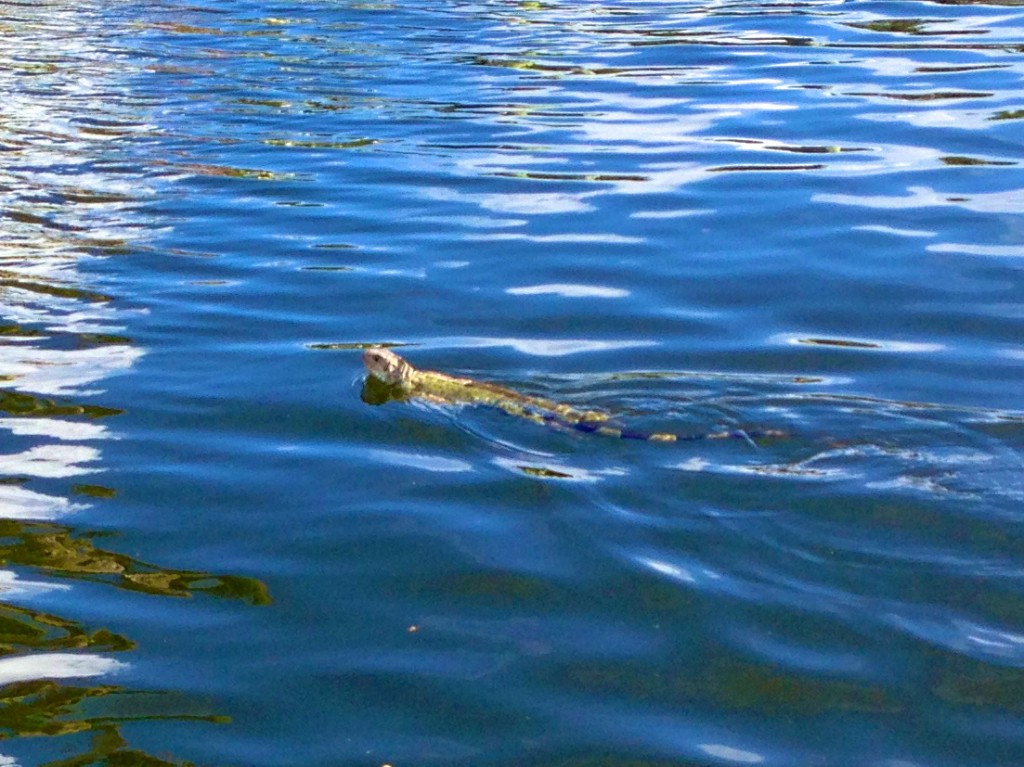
(49, 708)
(22, 404)
(56, 550)
(23, 629)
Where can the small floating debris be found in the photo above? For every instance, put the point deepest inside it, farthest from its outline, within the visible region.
(354, 346)
(840, 342)
(763, 168)
(309, 144)
(201, 169)
(1015, 114)
(916, 347)
(961, 160)
(936, 96)
(540, 471)
(94, 491)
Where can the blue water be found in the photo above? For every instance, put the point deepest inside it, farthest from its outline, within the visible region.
(797, 216)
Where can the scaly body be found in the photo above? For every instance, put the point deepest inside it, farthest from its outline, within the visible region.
(441, 388)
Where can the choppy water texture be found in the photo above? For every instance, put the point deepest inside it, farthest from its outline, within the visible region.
(801, 216)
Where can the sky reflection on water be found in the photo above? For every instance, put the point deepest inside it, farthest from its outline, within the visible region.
(694, 216)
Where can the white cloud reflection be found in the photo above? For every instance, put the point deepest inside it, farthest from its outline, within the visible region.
(534, 203)
(543, 347)
(65, 371)
(568, 290)
(75, 431)
(424, 461)
(895, 232)
(23, 504)
(1010, 201)
(995, 251)
(52, 461)
(55, 665)
(12, 585)
(71, 193)
(731, 753)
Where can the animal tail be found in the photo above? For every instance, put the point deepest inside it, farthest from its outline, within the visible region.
(604, 429)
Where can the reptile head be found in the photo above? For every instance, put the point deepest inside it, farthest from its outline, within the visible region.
(386, 365)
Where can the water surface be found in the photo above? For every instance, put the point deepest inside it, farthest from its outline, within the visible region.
(796, 216)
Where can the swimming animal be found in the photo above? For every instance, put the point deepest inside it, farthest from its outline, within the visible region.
(408, 382)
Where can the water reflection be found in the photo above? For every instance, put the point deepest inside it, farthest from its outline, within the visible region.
(42, 707)
(66, 553)
(1010, 201)
(527, 163)
(71, 187)
(55, 665)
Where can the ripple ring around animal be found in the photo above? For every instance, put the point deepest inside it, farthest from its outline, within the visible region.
(409, 382)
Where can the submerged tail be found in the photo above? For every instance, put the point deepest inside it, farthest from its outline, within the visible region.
(604, 429)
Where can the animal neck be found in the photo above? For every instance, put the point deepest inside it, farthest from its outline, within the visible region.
(407, 374)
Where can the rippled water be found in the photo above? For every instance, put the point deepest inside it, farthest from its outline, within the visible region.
(799, 216)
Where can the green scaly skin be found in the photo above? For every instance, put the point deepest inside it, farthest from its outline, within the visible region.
(441, 388)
